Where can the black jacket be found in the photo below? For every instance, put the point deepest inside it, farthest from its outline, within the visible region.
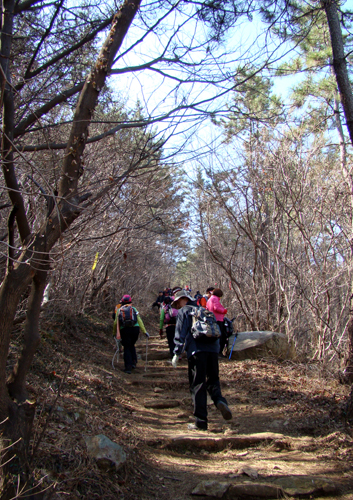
(183, 338)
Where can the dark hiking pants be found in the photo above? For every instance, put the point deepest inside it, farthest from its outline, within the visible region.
(170, 331)
(203, 378)
(129, 338)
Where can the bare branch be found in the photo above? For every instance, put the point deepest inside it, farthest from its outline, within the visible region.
(66, 52)
(33, 117)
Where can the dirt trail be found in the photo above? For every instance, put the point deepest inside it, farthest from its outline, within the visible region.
(266, 440)
(287, 436)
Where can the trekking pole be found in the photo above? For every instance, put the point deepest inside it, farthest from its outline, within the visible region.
(231, 351)
(146, 353)
(117, 352)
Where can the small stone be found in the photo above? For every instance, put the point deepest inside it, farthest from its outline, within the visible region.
(243, 454)
(211, 489)
(248, 471)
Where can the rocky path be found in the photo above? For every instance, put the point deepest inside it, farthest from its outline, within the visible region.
(287, 438)
(266, 451)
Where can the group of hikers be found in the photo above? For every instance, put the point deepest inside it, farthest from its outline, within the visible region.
(196, 325)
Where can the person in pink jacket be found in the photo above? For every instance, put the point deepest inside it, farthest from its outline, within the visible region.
(214, 305)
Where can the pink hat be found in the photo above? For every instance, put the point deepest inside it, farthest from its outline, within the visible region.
(126, 299)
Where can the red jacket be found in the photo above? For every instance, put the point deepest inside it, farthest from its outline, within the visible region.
(214, 305)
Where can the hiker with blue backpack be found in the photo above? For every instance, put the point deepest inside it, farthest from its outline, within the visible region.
(198, 334)
(167, 318)
(127, 326)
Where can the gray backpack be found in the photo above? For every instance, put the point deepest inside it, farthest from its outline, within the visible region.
(204, 325)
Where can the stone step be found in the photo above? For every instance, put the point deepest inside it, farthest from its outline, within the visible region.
(196, 442)
(155, 355)
(161, 404)
(268, 487)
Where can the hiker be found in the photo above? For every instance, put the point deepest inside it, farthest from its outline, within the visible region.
(202, 354)
(175, 290)
(158, 300)
(214, 305)
(168, 319)
(202, 299)
(128, 324)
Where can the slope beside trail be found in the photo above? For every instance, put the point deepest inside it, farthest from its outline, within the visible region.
(288, 429)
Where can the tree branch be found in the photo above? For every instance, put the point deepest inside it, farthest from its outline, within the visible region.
(26, 5)
(72, 168)
(66, 52)
(44, 36)
(21, 128)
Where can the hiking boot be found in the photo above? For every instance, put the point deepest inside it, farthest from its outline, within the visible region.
(127, 371)
(194, 427)
(223, 408)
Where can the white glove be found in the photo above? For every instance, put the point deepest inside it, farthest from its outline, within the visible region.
(175, 360)
(147, 335)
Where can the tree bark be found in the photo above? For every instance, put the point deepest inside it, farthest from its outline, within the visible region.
(72, 164)
(8, 120)
(345, 90)
(17, 380)
(339, 62)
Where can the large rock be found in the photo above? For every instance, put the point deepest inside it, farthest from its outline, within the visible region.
(255, 345)
(106, 453)
(295, 486)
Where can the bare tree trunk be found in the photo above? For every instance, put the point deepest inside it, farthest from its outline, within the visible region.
(345, 90)
(17, 380)
(8, 119)
(339, 62)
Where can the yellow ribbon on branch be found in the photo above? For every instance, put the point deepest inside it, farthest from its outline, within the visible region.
(95, 261)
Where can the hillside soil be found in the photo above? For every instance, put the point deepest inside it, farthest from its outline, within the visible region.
(288, 427)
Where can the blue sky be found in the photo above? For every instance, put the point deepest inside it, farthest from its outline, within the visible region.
(158, 93)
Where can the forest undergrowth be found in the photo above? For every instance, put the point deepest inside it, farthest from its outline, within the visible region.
(79, 393)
